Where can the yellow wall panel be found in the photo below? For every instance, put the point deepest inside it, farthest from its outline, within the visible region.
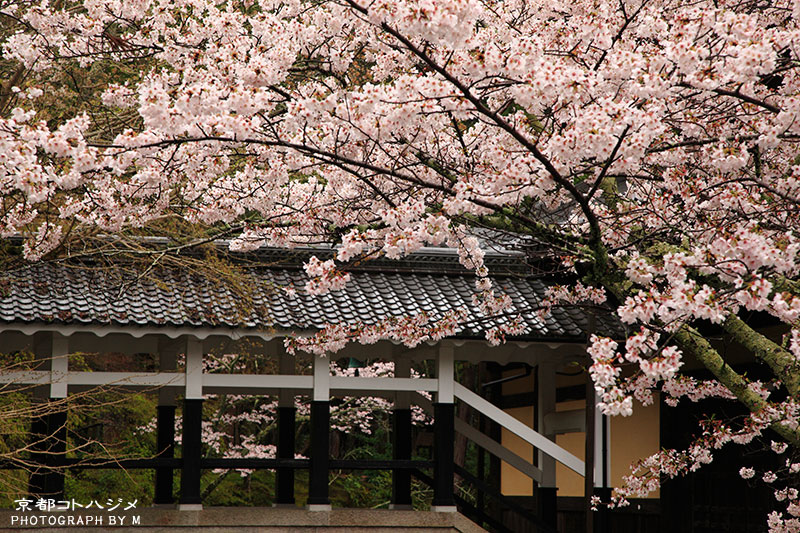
(632, 438)
(568, 482)
(512, 481)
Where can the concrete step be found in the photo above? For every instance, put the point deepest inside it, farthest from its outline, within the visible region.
(239, 520)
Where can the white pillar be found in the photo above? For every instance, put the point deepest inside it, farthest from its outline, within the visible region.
(167, 359)
(322, 379)
(318, 495)
(445, 373)
(602, 435)
(59, 366)
(444, 430)
(402, 369)
(194, 369)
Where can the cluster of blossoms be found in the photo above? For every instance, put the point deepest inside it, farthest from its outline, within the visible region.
(572, 295)
(613, 400)
(680, 298)
(324, 277)
(693, 389)
(411, 331)
(360, 411)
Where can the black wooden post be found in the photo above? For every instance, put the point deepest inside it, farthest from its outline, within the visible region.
(192, 452)
(602, 519)
(444, 439)
(320, 450)
(401, 450)
(588, 479)
(494, 394)
(480, 503)
(547, 503)
(38, 447)
(284, 477)
(57, 427)
(165, 447)
(49, 434)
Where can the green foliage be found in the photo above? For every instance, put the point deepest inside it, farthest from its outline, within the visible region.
(14, 427)
(12, 438)
(255, 489)
(109, 430)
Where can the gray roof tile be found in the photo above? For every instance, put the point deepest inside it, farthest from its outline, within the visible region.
(55, 293)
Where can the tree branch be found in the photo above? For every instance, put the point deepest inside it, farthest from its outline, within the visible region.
(738, 95)
(781, 361)
(690, 340)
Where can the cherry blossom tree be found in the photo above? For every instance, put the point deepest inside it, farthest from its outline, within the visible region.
(648, 147)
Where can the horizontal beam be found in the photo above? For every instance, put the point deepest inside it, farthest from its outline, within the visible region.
(252, 463)
(220, 462)
(384, 384)
(96, 464)
(258, 381)
(32, 377)
(252, 383)
(527, 434)
(377, 464)
(146, 379)
(122, 379)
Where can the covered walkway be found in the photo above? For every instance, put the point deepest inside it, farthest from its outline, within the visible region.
(53, 311)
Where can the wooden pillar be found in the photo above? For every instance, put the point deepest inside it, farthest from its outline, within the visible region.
(545, 404)
(443, 475)
(602, 464)
(192, 454)
(401, 440)
(318, 499)
(494, 394)
(480, 503)
(50, 434)
(38, 474)
(165, 449)
(588, 480)
(444, 432)
(192, 444)
(401, 450)
(546, 491)
(547, 505)
(59, 366)
(49, 429)
(284, 477)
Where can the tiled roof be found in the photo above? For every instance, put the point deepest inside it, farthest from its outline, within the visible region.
(70, 294)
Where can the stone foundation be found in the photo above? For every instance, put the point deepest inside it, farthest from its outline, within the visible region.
(240, 520)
